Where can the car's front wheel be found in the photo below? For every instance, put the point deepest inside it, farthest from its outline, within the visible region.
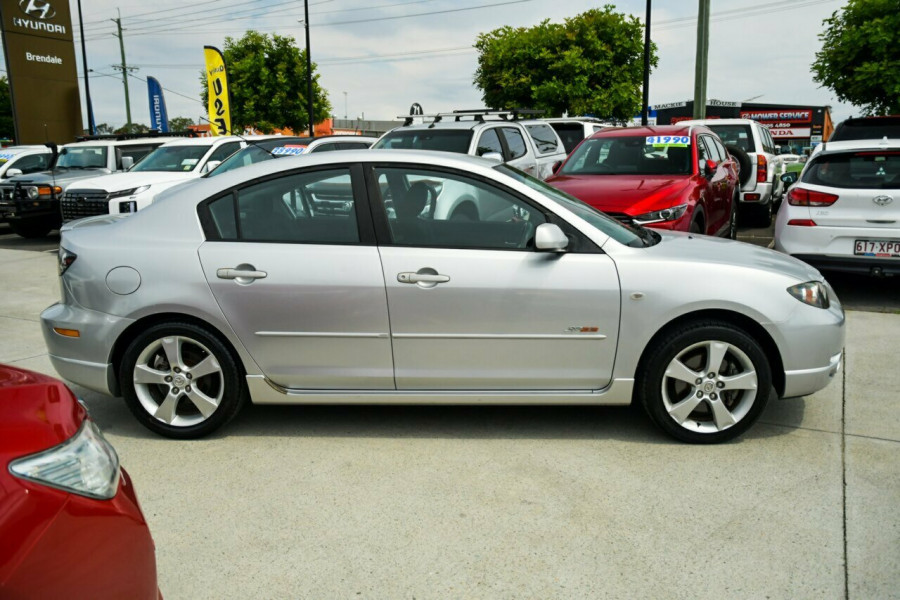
(705, 382)
(181, 381)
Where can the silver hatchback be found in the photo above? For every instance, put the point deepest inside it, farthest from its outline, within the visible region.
(348, 277)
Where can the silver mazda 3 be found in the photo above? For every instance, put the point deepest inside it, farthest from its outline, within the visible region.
(395, 277)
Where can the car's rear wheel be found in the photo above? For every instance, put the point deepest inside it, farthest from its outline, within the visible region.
(705, 382)
(181, 381)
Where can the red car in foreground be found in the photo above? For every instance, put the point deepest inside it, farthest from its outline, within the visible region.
(70, 523)
(667, 177)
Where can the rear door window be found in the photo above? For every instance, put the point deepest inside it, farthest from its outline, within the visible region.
(489, 142)
(545, 139)
(515, 142)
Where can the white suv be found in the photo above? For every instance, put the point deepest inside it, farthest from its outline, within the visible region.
(172, 163)
(491, 134)
(844, 212)
(753, 148)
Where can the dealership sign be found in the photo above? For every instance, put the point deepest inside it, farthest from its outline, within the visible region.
(783, 123)
(40, 62)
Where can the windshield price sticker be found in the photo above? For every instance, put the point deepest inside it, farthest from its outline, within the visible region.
(668, 141)
(288, 150)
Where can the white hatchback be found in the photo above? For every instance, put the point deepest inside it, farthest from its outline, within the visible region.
(844, 212)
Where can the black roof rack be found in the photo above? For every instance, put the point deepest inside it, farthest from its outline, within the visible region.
(134, 136)
(478, 115)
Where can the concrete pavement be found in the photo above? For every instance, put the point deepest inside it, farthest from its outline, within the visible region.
(510, 502)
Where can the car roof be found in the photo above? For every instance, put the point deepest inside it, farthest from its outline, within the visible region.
(709, 122)
(130, 142)
(447, 125)
(645, 130)
(205, 141)
(852, 145)
(24, 149)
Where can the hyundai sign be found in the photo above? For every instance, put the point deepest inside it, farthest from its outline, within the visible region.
(40, 62)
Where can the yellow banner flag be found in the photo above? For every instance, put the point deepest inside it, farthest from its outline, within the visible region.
(217, 85)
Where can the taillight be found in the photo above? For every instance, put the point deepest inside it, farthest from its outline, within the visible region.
(66, 259)
(762, 169)
(802, 223)
(798, 196)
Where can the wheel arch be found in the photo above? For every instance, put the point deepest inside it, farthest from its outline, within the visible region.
(747, 324)
(135, 329)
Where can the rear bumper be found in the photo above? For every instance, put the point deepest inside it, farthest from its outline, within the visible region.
(764, 190)
(857, 264)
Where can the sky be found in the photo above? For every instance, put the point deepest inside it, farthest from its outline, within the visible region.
(377, 57)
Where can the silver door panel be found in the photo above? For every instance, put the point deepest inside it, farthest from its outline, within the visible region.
(317, 320)
(505, 320)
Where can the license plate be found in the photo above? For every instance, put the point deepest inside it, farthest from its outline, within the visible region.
(878, 248)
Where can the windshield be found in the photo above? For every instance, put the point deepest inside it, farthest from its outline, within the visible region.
(735, 135)
(83, 157)
(246, 156)
(630, 236)
(444, 140)
(872, 169)
(172, 158)
(633, 155)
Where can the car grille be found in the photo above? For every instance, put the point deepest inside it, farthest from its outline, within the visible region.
(84, 203)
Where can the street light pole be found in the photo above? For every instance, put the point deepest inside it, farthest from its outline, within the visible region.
(92, 127)
(309, 86)
(646, 106)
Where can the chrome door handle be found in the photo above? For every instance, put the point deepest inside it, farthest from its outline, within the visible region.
(240, 274)
(409, 277)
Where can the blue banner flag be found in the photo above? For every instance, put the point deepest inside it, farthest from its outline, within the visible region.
(158, 118)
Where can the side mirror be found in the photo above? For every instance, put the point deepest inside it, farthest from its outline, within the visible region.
(789, 178)
(709, 168)
(13, 172)
(556, 166)
(493, 156)
(127, 162)
(211, 165)
(549, 237)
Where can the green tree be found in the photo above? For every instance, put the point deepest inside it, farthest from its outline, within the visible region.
(267, 83)
(7, 128)
(133, 128)
(104, 129)
(180, 123)
(860, 56)
(591, 64)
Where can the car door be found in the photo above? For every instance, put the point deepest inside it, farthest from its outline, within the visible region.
(518, 152)
(292, 263)
(472, 304)
(716, 183)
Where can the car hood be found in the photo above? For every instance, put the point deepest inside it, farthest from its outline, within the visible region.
(627, 194)
(699, 249)
(57, 176)
(36, 412)
(124, 181)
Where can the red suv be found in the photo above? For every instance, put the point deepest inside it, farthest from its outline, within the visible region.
(667, 177)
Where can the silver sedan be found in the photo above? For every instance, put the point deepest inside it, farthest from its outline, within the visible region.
(347, 278)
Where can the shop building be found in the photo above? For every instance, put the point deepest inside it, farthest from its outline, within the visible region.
(798, 126)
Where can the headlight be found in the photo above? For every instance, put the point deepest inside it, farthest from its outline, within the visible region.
(813, 293)
(33, 193)
(86, 465)
(130, 192)
(657, 216)
(66, 259)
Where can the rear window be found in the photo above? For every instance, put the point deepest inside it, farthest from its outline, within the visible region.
(867, 129)
(445, 140)
(877, 169)
(735, 135)
(571, 134)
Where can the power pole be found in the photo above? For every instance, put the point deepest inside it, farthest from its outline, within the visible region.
(309, 86)
(700, 71)
(124, 68)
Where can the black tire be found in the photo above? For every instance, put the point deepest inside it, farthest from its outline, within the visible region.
(32, 228)
(757, 215)
(690, 405)
(212, 390)
(731, 234)
(696, 228)
(745, 169)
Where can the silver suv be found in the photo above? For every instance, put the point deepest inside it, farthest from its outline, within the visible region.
(753, 148)
(494, 135)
